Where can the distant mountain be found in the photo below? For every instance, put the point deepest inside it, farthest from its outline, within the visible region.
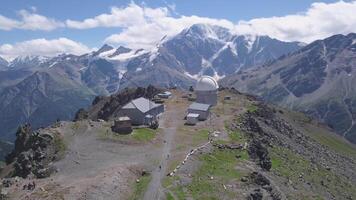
(27, 61)
(40, 99)
(3, 64)
(213, 50)
(103, 49)
(207, 50)
(120, 50)
(318, 79)
(32, 85)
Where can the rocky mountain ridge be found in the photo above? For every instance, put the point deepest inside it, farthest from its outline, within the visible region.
(316, 80)
(174, 62)
(263, 152)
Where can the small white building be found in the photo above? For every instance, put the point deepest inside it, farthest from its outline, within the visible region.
(199, 108)
(165, 95)
(192, 118)
(206, 90)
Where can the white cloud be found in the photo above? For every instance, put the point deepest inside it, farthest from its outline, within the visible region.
(142, 26)
(319, 21)
(42, 47)
(118, 17)
(29, 21)
(7, 23)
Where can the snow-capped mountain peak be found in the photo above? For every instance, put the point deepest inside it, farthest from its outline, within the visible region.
(206, 31)
(28, 61)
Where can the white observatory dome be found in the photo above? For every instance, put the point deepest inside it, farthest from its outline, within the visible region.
(206, 83)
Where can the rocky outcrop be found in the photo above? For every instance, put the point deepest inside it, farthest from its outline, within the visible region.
(34, 152)
(106, 107)
(257, 150)
(262, 187)
(316, 80)
(267, 129)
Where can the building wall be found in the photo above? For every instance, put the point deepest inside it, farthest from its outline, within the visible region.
(192, 120)
(203, 115)
(156, 111)
(137, 117)
(207, 97)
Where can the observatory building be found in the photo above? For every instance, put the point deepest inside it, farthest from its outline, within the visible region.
(206, 90)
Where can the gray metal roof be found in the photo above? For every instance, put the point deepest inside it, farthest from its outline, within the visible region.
(199, 106)
(142, 104)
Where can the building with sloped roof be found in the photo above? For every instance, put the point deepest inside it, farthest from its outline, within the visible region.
(141, 111)
(199, 108)
(206, 90)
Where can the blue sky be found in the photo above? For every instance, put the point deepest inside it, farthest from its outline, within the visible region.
(28, 21)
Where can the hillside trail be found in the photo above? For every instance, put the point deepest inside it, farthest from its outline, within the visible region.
(169, 122)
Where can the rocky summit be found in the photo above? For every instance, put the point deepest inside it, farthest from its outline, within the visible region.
(174, 100)
(247, 149)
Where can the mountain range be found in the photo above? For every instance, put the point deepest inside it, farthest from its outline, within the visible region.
(40, 90)
(318, 79)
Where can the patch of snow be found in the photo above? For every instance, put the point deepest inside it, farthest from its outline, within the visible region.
(54, 63)
(353, 41)
(260, 50)
(126, 56)
(83, 68)
(232, 47)
(107, 53)
(250, 40)
(217, 77)
(196, 76)
(138, 69)
(205, 63)
(154, 53)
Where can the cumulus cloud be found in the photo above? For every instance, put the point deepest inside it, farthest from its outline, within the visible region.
(319, 21)
(142, 26)
(29, 21)
(42, 47)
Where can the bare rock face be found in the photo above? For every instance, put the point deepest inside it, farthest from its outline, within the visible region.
(258, 150)
(314, 80)
(33, 153)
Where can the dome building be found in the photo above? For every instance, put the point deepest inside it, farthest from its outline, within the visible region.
(206, 90)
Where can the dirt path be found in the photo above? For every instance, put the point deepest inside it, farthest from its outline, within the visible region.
(169, 123)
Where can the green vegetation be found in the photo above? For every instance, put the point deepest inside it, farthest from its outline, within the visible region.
(300, 171)
(59, 145)
(235, 135)
(252, 108)
(140, 187)
(322, 135)
(76, 125)
(220, 165)
(336, 144)
(200, 136)
(215, 169)
(169, 196)
(2, 164)
(143, 134)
